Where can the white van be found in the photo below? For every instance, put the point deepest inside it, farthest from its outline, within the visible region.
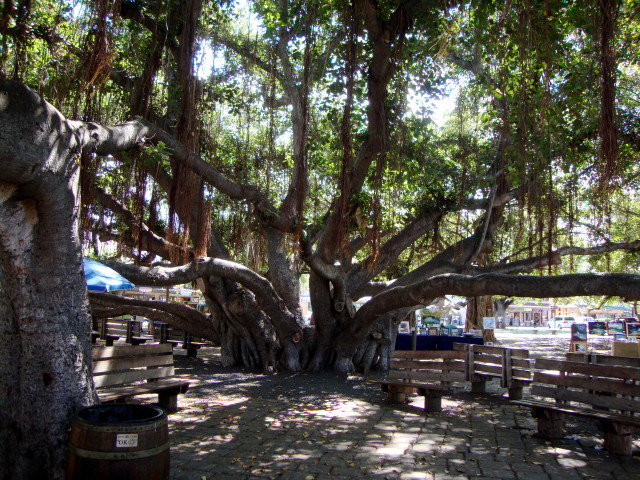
(563, 321)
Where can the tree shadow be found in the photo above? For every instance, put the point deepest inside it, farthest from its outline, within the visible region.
(239, 425)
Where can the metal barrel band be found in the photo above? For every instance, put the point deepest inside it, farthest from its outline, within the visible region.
(132, 455)
(121, 428)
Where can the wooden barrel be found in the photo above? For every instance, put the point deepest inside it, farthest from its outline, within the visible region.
(119, 441)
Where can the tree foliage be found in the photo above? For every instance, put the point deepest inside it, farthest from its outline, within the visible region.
(312, 121)
(266, 140)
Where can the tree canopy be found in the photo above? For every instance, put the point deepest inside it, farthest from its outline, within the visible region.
(242, 145)
(291, 137)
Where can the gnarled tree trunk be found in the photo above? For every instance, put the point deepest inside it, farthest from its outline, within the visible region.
(476, 311)
(45, 347)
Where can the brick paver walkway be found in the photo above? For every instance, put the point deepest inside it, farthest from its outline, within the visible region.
(239, 426)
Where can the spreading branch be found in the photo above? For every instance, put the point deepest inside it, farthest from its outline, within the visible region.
(622, 285)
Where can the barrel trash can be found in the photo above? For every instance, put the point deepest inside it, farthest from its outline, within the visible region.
(119, 441)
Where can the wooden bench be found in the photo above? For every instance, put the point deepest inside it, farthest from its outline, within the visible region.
(112, 329)
(124, 371)
(163, 333)
(608, 393)
(512, 366)
(430, 373)
(105, 334)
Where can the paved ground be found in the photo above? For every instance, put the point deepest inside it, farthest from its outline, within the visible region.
(236, 426)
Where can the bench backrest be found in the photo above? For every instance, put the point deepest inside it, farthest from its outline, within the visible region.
(443, 366)
(602, 359)
(507, 364)
(121, 327)
(162, 332)
(611, 387)
(127, 364)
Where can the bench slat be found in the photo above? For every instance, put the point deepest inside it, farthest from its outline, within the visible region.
(521, 362)
(123, 363)
(587, 398)
(492, 350)
(603, 359)
(429, 354)
(427, 376)
(111, 394)
(614, 371)
(522, 374)
(101, 353)
(131, 376)
(489, 369)
(597, 384)
(425, 365)
(583, 412)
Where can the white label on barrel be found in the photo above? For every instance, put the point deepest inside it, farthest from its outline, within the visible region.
(127, 440)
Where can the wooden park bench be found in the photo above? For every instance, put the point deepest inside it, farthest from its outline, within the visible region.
(512, 366)
(608, 393)
(105, 332)
(430, 373)
(112, 329)
(124, 371)
(164, 333)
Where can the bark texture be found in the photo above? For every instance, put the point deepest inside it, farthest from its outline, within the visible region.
(45, 348)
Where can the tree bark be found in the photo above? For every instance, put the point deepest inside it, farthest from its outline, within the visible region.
(476, 311)
(45, 346)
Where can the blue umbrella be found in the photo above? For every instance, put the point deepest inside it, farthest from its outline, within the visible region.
(102, 278)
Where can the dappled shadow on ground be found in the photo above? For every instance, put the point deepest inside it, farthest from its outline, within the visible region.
(237, 425)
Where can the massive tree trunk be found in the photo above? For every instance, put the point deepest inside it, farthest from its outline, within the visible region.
(45, 348)
(476, 311)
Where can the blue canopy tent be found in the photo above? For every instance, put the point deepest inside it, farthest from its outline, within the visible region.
(101, 278)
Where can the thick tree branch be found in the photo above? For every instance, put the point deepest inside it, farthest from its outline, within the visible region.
(555, 258)
(189, 319)
(622, 285)
(267, 212)
(331, 273)
(131, 11)
(266, 297)
(250, 54)
(389, 252)
(149, 240)
(104, 140)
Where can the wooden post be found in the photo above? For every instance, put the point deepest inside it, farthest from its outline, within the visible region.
(432, 404)
(164, 333)
(168, 400)
(129, 331)
(618, 438)
(478, 384)
(103, 328)
(396, 397)
(549, 423)
(471, 367)
(507, 366)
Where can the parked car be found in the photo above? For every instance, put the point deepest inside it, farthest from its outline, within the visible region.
(562, 321)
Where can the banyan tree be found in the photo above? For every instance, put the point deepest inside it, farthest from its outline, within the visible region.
(244, 147)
